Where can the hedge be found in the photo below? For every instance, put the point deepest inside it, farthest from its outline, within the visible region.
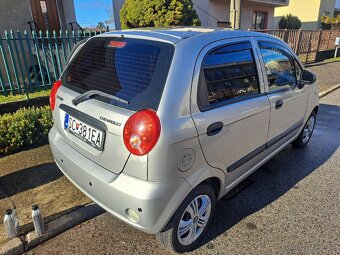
(24, 128)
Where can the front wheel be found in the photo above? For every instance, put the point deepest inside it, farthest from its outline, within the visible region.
(306, 133)
(190, 222)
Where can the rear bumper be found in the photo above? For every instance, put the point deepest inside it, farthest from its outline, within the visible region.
(154, 202)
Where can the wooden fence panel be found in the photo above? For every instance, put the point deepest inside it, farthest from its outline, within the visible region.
(306, 43)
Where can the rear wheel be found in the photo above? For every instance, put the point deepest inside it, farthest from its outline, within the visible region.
(190, 222)
(306, 133)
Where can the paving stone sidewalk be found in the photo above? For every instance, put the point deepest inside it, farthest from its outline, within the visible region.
(327, 74)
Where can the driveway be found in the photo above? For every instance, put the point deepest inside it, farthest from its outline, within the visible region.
(292, 206)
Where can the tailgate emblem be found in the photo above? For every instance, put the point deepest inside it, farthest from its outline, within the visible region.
(116, 123)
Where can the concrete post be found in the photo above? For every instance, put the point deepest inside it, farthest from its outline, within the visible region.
(235, 14)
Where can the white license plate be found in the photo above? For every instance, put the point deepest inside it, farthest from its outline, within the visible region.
(85, 132)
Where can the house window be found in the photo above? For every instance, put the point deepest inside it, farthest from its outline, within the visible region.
(260, 20)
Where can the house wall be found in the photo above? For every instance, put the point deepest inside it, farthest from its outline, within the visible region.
(219, 9)
(248, 10)
(326, 6)
(14, 14)
(66, 13)
(69, 11)
(309, 12)
(206, 20)
(117, 5)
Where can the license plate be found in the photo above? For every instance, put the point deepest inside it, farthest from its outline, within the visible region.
(85, 132)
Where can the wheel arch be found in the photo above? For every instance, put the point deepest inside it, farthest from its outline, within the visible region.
(214, 177)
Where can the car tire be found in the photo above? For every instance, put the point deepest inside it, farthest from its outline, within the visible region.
(306, 133)
(187, 226)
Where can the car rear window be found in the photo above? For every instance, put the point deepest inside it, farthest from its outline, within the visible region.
(132, 70)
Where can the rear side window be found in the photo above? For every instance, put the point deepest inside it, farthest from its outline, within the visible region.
(228, 75)
(133, 70)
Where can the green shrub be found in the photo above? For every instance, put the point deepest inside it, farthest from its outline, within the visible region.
(158, 13)
(328, 22)
(289, 22)
(24, 128)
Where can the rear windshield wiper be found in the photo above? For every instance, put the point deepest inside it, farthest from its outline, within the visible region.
(92, 93)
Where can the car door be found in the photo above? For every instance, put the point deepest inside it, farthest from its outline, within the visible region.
(229, 107)
(288, 101)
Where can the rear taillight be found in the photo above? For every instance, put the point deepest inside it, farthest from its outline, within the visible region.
(53, 94)
(141, 132)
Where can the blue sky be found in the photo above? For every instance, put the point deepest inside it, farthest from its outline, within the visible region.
(90, 12)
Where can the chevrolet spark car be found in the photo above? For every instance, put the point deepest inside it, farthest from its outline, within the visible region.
(156, 125)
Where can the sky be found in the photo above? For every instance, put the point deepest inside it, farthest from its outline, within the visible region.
(90, 12)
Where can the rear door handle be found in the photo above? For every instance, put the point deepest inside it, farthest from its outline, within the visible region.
(278, 104)
(214, 128)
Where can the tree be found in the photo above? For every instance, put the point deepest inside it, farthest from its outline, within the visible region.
(328, 22)
(289, 22)
(158, 13)
(100, 25)
(111, 19)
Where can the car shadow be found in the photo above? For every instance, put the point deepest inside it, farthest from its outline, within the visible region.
(279, 175)
(28, 178)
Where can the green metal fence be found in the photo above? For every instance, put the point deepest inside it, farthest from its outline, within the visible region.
(34, 61)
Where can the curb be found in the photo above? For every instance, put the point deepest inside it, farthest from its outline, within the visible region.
(327, 91)
(20, 245)
(325, 62)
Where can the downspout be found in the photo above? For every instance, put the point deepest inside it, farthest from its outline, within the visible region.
(235, 11)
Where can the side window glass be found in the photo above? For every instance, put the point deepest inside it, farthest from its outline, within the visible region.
(279, 65)
(228, 74)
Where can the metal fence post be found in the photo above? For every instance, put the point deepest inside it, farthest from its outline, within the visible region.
(55, 38)
(55, 68)
(25, 63)
(8, 73)
(45, 57)
(19, 63)
(27, 39)
(36, 47)
(286, 36)
(14, 66)
(297, 47)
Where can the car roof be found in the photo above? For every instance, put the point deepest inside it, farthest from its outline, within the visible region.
(176, 34)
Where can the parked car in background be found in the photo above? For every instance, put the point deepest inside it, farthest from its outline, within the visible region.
(157, 125)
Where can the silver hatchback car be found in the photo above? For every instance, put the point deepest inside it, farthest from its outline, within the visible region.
(156, 125)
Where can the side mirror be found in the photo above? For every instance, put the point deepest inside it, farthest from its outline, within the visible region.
(307, 77)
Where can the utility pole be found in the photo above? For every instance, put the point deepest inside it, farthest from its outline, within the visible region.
(235, 14)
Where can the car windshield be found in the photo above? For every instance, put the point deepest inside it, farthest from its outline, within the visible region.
(133, 70)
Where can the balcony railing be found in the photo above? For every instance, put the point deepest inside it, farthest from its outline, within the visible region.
(272, 2)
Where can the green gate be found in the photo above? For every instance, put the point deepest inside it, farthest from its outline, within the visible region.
(32, 62)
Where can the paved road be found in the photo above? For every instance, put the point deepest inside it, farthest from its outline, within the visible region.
(291, 207)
